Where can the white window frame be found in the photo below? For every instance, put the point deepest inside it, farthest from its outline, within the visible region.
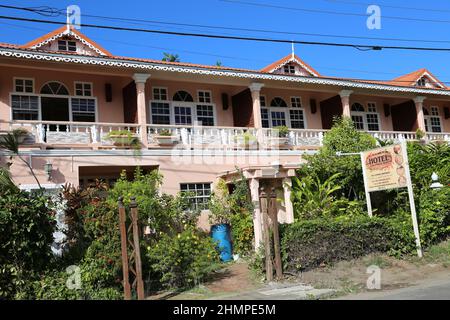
(364, 114)
(83, 83)
(20, 78)
(286, 111)
(160, 88)
(290, 67)
(67, 45)
(196, 196)
(428, 118)
(210, 96)
(69, 98)
(172, 104)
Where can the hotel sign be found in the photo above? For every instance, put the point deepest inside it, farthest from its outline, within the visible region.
(385, 168)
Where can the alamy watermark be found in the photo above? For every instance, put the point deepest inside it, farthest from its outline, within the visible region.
(73, 281)
(374, 280)
(374, 20)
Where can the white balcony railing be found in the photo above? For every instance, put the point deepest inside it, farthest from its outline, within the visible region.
(95, 134)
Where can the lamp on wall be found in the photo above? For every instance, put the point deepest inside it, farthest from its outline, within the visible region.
(48, 168)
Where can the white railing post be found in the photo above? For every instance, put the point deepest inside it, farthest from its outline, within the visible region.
(321, 138)
(94, 134)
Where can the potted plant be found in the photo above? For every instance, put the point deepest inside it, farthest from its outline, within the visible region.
(420, 136)
(165, 137)
(279, 137)
(246, 141)
(20, 135)
(123, 138)
(219, 218)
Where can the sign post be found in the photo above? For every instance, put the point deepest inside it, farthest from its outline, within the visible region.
(388, 168)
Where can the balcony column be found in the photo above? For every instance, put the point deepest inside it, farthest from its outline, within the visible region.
(419, 110)
(257, 224)
(345, 99)
(140, 79)
(255, 89)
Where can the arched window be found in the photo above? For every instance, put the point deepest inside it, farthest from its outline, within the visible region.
(358, 107)
(278, 102)
(55, 88)
(182, 96)
(365, 119)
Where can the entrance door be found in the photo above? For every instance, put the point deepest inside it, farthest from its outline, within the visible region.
(55, 109)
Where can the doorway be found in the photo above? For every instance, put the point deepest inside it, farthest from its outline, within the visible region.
(55, 109)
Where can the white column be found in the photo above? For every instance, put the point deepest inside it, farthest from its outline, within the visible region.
(255, 89)
(345, 99)
(140, 79)
(419, 110)
(257, 224)
(287, 184)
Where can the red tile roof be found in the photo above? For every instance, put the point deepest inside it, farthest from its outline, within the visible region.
(60, 30)
(410, 79)
(285, 60)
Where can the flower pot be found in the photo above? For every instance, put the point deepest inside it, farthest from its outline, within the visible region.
(166, 140)
(279, 142)
(221, 233)
(122, 140)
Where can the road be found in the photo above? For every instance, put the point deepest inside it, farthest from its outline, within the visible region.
(436, 289)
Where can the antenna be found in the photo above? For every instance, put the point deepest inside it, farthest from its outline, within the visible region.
(293, 49)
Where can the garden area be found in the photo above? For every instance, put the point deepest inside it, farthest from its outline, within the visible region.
(331, 224)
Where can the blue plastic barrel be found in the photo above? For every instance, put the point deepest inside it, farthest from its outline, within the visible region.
(221, 234)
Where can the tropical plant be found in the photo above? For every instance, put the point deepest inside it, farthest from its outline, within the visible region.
(170, 57)
(313, 198)
(219, 204)
(281, 131)
(219, 63)
(6, 182)
(10, 142)
(165, 133)
(420, 134)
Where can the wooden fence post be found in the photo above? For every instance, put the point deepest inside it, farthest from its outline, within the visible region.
(276, 235)
(123, 244)
(137, 250)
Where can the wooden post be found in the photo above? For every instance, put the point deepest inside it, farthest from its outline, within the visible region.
(266, 235)
(137, 250)
(123, 244)
(276, 235)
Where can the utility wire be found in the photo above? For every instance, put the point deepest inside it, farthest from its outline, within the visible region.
(153, 22)
(267, 5)
(212, 36)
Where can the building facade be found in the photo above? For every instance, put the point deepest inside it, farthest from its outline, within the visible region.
(194, 123)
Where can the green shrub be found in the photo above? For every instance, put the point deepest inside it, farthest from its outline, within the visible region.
(434, 215)
(242, 233)
(27, 224)
(311, 243)
(343, 137)
(184, 260)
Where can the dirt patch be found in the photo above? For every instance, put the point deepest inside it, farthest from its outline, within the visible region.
(233, 278)
(351, 276)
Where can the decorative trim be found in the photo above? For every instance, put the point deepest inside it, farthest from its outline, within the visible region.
(65, 33)
(123, 63)
(292, 59)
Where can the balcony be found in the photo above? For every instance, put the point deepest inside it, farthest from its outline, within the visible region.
(89, 135)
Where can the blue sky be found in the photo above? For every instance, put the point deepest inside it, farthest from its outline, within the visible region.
(331, 61)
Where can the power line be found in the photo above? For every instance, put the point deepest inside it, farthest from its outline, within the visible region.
(156, 22)
(273, 6)
(387, 6)
(212, 36)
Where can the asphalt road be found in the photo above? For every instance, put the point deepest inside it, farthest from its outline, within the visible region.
(436, 289)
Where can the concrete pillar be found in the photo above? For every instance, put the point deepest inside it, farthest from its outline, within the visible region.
(255, 89)
(345, 99)
(140, 79)
(419, 110)
(257, 223)
(287, 184)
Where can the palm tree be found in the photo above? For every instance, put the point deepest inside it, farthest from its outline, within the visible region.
(10, 142)
(219, 63)
(5, 181)
(170, 57)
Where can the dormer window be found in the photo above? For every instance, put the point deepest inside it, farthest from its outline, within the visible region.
(422, 82)
(67, 45)
(289, 69)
